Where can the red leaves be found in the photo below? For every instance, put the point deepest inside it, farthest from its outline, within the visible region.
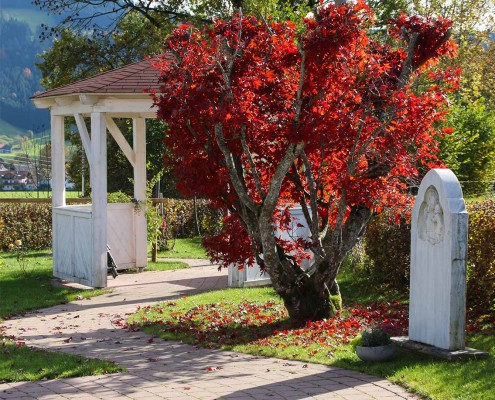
(265, 325)
(213, 369)
(433, 36)
(231, 246)
(365, 131)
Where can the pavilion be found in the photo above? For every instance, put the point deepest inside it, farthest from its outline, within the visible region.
(81, 232)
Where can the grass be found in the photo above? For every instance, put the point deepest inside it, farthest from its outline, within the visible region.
(21, 363)
(159, 266)
(441, 380)
(253, 321)
(35, 280)
(27, 289)
(355, 289)
(166, 265)
(185, 248)
(25, 194)
(8, 130)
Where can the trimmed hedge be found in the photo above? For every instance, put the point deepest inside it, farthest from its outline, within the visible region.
(32, 222)
(29, 222)
(481, 258)
(180, 220)
(387, 247)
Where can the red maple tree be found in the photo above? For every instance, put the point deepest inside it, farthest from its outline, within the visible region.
(264, 116)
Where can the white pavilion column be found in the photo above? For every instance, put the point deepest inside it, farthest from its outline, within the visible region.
(139, 142)
(58, 183)
(98, 171)
(58, 161)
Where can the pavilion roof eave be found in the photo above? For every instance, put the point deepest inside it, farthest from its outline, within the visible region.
(117, 104)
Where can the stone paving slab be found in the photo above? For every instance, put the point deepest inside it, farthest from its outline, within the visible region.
(159, 369)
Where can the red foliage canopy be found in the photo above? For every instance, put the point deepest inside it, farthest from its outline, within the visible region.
(240, 93)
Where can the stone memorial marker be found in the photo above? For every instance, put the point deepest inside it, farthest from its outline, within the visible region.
(437, 308)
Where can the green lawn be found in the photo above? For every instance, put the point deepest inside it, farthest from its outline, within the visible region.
(160, 266)
(254, 321)
(23, 194)
(35, 281)
(27, 289)
(185, 248)
(21, 363)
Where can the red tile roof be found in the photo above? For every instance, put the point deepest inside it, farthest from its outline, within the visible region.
(133, 78)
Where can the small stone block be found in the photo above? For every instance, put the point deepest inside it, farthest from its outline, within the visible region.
(435, 352)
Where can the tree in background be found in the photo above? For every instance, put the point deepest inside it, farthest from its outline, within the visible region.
(19, 79)
(470, 150)
(264, 116)
(106, 16)
(473, 104)
(473, 24)
(76, 55)
(88, 43)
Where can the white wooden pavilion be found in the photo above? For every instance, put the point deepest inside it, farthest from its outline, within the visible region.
(81, 232)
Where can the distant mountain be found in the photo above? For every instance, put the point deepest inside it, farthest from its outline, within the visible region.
(20, 23)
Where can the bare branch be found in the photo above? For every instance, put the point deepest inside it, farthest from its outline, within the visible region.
(254, 171)
(234, 177)
(407, 69)
(312, 195)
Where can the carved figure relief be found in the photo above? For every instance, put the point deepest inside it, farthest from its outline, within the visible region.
(431, 225)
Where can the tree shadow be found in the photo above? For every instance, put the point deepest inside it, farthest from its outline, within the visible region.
(173, 370)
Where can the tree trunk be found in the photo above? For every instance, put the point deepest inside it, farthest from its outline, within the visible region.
(311, 301)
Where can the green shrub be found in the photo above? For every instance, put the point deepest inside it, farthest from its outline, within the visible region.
(481, 258)
(470, 150)
(387, 247)
(28, 222)
(375, 336)
(32, 223)
(118, 197)
(180, 219)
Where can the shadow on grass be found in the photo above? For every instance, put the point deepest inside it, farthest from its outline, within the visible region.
(431, 377)
(214, 337)
(23, 292)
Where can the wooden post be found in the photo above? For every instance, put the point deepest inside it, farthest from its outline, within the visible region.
(58, 182)
(98, 171)
(139, 144)
(58, 161)
(154, 251)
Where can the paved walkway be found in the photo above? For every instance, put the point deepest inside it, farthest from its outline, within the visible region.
(157, 369)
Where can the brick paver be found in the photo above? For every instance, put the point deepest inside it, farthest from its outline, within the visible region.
(170, 370)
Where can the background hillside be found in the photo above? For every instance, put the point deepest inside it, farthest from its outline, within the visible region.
(20, 24)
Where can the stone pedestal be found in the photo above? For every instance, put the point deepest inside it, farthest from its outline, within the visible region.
(465, 354)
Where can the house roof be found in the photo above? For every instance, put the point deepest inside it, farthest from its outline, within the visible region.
(133, 78)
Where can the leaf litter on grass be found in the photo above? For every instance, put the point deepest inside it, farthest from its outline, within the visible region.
(264, 325)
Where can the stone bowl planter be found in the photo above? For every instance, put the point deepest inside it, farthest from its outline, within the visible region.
(376, 353)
